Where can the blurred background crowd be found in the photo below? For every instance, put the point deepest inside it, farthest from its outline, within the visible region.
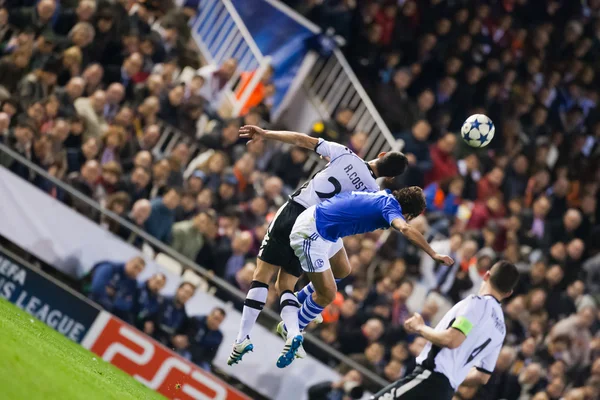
(88, 89)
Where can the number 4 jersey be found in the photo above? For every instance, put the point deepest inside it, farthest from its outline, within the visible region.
(346, 172)
(481, 319)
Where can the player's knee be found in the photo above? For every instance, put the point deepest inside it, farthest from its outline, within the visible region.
(263, 272)
(325, 295)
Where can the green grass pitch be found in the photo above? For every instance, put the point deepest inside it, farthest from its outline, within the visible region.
(37, 362)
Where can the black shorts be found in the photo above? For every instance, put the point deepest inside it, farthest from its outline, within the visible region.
(275, 248)
(421, 384)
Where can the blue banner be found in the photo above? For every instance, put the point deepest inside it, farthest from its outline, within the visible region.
(276, 35)
(57, 307)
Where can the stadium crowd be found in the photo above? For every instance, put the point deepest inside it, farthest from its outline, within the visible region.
(88, 88)
(530, 197)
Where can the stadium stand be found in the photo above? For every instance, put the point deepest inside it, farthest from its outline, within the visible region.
(98, 95)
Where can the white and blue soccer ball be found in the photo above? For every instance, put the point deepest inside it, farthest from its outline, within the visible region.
(478, 130)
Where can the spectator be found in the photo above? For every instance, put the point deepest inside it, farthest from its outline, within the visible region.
(114, 286)
(206, 337)
(444, 164)
(149, 298)
(125, 74)
(91, 109)
(170, 324)
(189, 237)
(336, 130)
(162, 216)
(215, 81)
(39, 84)
(358, 340)
(349, 385)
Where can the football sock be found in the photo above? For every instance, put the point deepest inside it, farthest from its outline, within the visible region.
(308, 290)
(308, 312)
(289, 312)
(254, 303)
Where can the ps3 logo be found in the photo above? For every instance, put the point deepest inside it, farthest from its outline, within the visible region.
(152, 364)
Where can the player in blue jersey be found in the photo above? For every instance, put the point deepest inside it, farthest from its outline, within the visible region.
(320, 227)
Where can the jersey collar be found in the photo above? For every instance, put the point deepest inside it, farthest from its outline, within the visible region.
(492, 296)
(370, 170)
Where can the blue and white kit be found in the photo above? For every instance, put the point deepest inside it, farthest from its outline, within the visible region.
(320, 228)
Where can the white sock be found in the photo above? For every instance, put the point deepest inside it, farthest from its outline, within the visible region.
(255, 301)
(289, 312)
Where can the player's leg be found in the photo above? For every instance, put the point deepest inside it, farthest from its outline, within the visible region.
(325, 290)
(340, 266)
(289, 305)
(421, 384)
(304, 243)
(253, 305)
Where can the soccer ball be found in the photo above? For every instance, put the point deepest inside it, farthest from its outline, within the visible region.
(478, 130)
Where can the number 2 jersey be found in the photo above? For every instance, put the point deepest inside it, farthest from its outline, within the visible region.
(481, 319)
(346, 172)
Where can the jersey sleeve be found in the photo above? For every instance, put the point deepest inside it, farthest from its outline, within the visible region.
(331, 149)
(488, 363)
(391, 209)
(469, 315)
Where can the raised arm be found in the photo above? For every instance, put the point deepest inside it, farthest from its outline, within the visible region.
(419, 240)
(297, 139)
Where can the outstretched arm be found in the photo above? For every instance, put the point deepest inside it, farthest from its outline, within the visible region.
(419, 240)
(297, 139)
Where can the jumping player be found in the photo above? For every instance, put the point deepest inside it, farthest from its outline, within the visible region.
(320, 228)
(345, 172)
(463, 347)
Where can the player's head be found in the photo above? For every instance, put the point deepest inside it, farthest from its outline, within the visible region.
(390, 164)
(411, 201)
(503, 277)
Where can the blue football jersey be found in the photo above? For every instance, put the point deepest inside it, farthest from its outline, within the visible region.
(356, 212)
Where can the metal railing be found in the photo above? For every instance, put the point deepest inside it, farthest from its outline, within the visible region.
(221, 284)
(220, 35)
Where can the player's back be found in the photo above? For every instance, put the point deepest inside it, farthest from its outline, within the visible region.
(344, 173)
(481, 319)
(356, 212)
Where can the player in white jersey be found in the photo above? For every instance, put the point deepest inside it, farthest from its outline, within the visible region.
(345, 172)
(463, 347)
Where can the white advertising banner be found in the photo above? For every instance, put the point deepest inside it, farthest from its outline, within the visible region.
(73, 244)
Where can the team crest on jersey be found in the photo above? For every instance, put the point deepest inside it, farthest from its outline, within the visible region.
(319, 263)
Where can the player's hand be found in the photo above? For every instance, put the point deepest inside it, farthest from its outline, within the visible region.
(252, 132)
(447, 260)
(414, 323)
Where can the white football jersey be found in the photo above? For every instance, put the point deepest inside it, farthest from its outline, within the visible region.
(346, 172)
(481, 319)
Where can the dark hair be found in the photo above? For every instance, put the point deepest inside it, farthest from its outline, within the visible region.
(411, 200)
(219, 310)
(504, 276)
(391, 164)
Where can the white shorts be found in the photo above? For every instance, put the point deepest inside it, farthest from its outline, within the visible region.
(311, 249)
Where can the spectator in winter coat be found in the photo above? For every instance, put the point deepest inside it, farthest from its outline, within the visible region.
(417, 153)
(444, 163)
(162, 217)
(206, 337)
(114, 286)
(170, 323)
(149, 298)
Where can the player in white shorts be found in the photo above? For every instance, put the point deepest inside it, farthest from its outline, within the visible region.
(463, 347)
(318, 229)
(345, 172)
